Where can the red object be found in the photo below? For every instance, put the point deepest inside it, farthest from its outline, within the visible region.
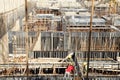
(70, 68)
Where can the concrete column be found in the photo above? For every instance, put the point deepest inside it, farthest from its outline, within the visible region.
(4, 49)
(37, 46)
(69, 41)
(40, 41)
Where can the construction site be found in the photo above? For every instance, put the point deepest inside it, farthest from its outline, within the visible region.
(38, 36)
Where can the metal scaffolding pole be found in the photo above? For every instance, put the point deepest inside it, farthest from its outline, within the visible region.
(26, 22)
(89, 42)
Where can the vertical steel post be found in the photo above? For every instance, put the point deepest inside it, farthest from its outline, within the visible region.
(89, 42)
(26, 29)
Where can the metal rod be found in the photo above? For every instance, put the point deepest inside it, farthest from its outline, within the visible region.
(89, 42)
(26, 22)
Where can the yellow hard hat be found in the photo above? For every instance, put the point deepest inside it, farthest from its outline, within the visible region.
(69, 56)
(84, 63)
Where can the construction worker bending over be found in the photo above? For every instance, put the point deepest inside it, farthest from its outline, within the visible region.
(69, 70)
(70, 57)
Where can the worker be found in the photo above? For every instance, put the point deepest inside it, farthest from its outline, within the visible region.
(69, 70)
(85, 68)
(70, 57)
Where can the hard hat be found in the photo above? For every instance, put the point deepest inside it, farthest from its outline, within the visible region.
(84, 63)
(69, 56)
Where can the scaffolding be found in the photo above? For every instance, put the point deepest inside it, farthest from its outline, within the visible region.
(53, 33)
